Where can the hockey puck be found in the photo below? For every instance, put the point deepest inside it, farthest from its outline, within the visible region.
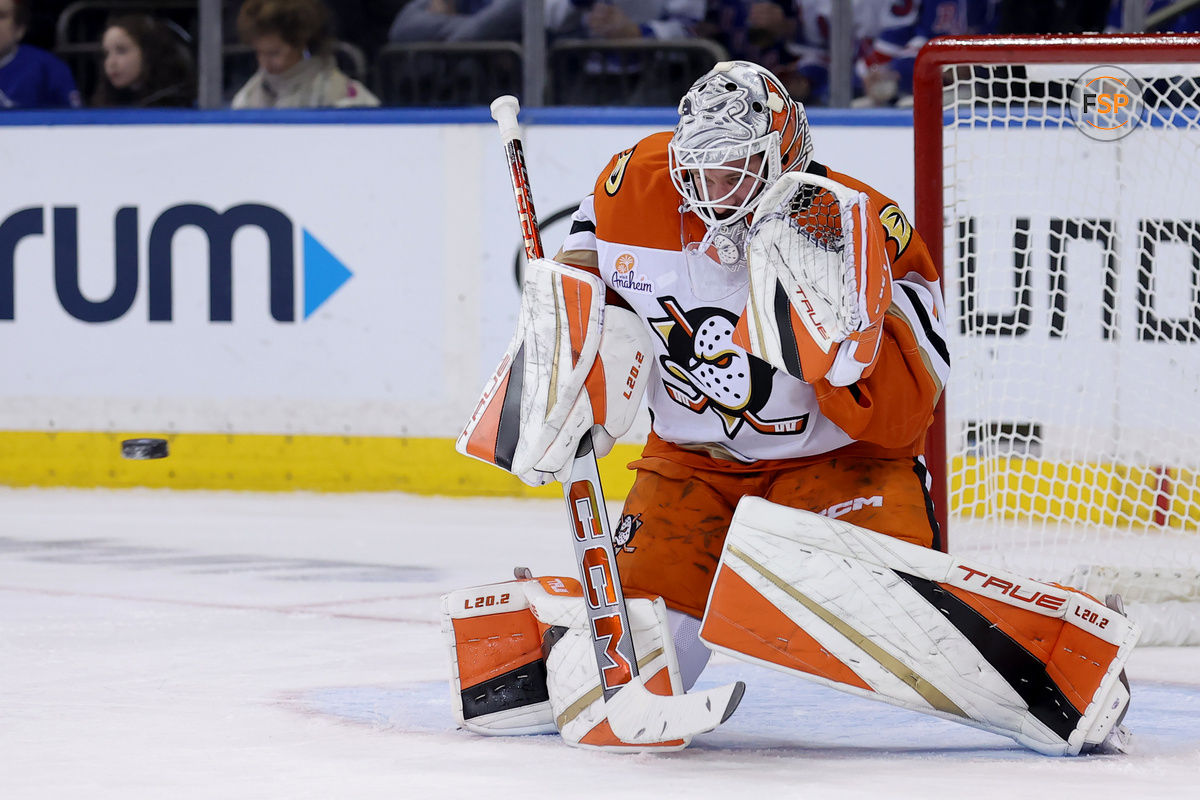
(143, 449)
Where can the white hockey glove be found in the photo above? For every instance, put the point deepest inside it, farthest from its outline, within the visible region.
(573, 365)
(820, 280)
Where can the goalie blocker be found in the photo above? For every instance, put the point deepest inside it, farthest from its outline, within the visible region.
(574, 365)
(880, 618)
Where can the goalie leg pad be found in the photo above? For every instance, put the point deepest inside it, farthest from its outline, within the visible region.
(576, 697)
(497, 670)
(522, 661)
(881, 618)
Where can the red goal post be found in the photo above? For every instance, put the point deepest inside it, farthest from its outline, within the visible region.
(1069, 245)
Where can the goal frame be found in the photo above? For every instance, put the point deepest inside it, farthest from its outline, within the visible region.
(928, 188)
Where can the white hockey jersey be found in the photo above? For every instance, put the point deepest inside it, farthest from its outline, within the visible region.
(708, 398)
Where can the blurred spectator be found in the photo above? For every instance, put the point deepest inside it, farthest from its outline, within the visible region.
(766, 32)
(624, 19)
(29, 76)
(146, 65)
(806, 51)
(457, 21)
(296, 67)
(884, 70)
(1186, 22)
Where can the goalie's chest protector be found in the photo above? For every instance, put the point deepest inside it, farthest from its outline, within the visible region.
(705, 390)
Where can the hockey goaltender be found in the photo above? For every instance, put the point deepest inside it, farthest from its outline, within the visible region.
(785, 326)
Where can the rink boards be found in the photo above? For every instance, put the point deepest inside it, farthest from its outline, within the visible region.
(296, 301)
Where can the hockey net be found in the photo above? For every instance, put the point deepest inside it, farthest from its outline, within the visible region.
(1069, 236)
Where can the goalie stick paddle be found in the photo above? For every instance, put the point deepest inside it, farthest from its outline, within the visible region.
(635, 714)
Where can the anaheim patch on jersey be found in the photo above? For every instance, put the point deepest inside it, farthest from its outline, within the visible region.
(705, 372)
(625, 275)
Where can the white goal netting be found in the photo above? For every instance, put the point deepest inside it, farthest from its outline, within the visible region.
(1072, 279)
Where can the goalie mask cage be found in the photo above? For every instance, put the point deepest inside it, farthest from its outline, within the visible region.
(1071, 268)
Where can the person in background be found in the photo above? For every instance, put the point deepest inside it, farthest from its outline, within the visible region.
(885, 66)
(792, 38)
(146, 65)
(765, 32)
(612, 74)
(624, 19)
(29, 76)
(458, 21)
(296, 67)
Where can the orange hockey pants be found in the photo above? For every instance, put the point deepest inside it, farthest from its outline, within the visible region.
(679, 515)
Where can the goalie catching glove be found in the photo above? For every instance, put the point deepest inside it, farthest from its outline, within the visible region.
(574, 365)
(820, 281)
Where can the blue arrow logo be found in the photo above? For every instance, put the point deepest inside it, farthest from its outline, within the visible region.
(324, 274)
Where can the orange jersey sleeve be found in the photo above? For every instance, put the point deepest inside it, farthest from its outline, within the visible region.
(633, 202)
(893, 406)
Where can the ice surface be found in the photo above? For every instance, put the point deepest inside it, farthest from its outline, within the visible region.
(158, 644)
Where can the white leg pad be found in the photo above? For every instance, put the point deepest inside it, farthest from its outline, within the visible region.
(522, 661)
(573, 678)
(881, 618)
(497, 670)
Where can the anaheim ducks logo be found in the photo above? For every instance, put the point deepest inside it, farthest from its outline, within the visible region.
(613, 184)
(707, 373)
(899, 229)
(623, 535)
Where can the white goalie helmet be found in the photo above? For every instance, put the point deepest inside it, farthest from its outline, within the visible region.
(735, 112)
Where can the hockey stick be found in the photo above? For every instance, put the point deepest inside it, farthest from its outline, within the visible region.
(635, 714)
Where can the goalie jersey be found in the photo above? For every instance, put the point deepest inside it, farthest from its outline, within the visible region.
(708, 398)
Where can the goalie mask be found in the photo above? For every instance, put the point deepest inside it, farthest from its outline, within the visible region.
(736, 124)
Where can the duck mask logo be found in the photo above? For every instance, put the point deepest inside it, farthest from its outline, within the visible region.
(707, 373)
